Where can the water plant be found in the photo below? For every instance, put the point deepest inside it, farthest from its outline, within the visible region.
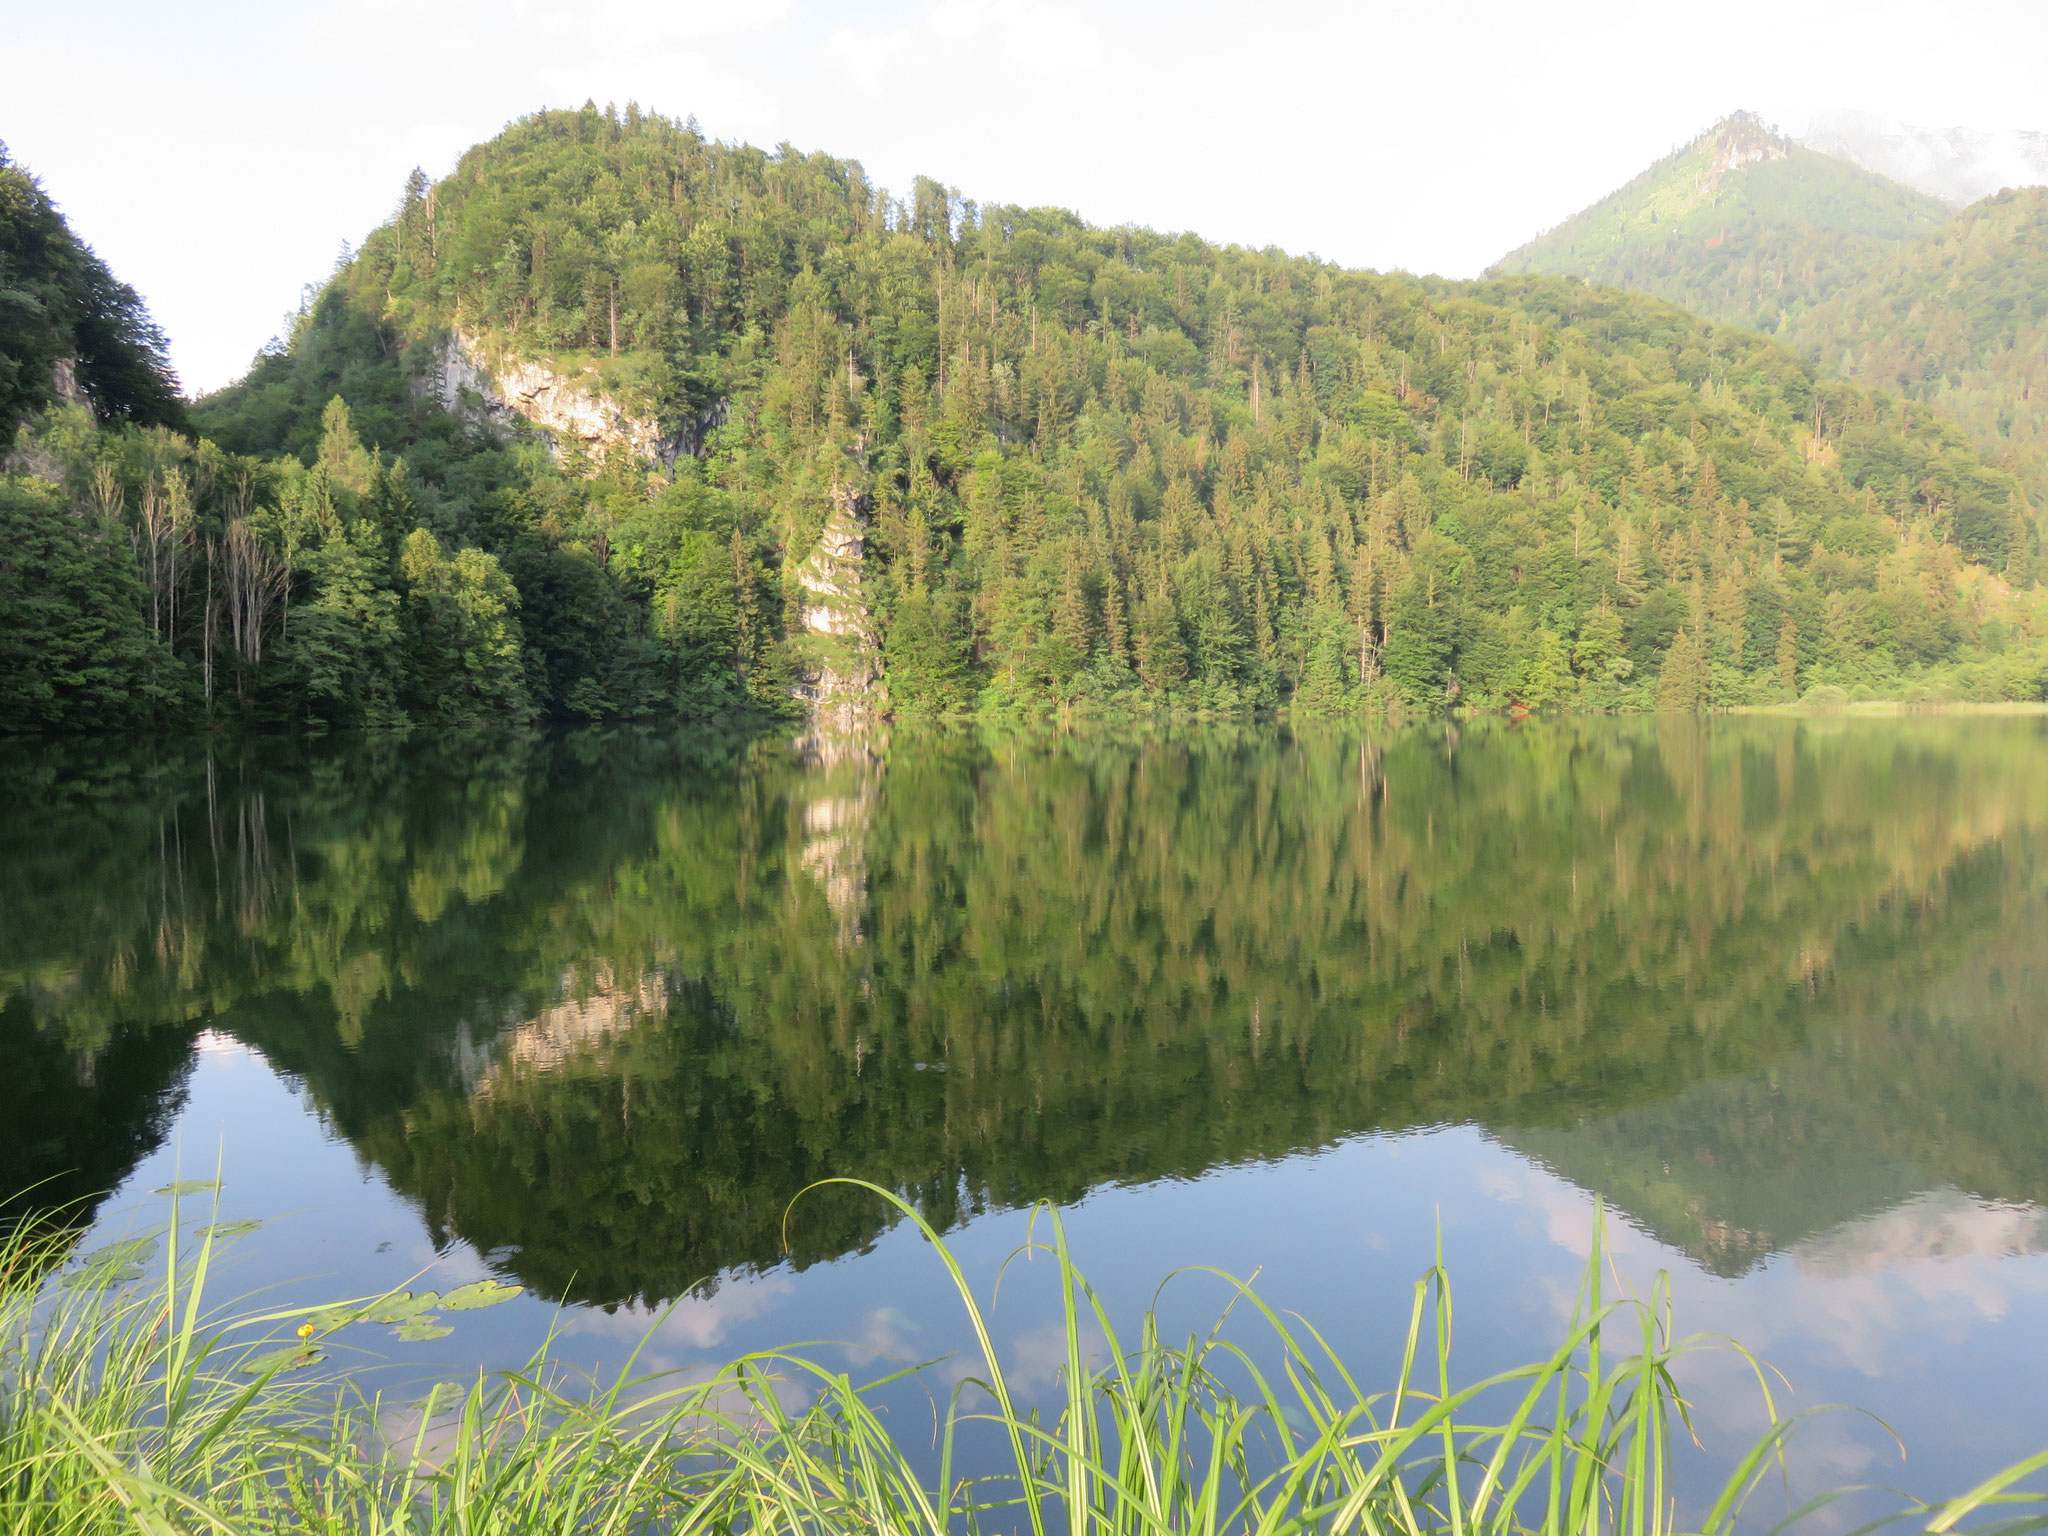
(129, 1403)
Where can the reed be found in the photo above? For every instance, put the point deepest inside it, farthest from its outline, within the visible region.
(129, 1403)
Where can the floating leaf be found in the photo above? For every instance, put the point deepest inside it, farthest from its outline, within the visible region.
(130, 1250)
(479, 1293)
(402, 1307)
(189, 1187)
(422, 1328)
(100, 1278)
(291, 1358)
(115, 1264)
(231, 1228)
(443, 1397)
(337, 1317)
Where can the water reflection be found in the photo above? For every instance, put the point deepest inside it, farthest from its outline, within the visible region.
(601, 1007)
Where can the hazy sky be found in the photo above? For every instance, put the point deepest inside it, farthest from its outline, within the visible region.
(217, 152)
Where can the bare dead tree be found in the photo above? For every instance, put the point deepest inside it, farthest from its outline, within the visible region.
(107, 497)
(182, 527)
(152, 539)
(256, 578)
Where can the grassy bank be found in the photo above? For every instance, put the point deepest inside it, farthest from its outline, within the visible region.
(1885, 709)
(128, 1402)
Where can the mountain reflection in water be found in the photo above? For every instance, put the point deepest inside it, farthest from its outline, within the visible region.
(602, 1005)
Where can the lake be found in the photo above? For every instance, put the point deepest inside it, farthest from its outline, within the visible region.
(588, 1013)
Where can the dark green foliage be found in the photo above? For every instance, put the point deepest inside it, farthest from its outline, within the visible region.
(65, 317)
(75, 651)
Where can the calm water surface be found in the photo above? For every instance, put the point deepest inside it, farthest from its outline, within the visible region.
(587, 1014)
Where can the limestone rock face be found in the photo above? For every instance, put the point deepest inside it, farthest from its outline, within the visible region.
(467, 379)
(64, 382)
(841, 681)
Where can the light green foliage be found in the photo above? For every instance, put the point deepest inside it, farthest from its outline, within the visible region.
(929, 653)
(1960, 319)
(1875, 282)
(1741, 225)
(479, 1293)
(343, 650)
(463, 635)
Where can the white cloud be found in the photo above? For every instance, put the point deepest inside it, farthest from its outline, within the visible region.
(870, 57)
(970, 39)
(694, 1322)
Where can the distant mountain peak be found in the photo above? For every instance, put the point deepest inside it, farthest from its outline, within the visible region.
(1957, 165)
(1741, 139)
(1742, 224)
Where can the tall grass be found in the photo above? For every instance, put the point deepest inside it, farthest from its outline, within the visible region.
(129, 1403)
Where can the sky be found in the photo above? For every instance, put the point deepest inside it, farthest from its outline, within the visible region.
(218, 152)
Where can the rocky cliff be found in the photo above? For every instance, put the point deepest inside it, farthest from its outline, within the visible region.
(839, 648)
(472, 379)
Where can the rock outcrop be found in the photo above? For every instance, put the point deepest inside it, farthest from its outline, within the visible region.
(840, 654)
(467, 378)
(64, 383)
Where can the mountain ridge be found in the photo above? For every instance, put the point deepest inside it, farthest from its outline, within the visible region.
(1948, 311)
(1742, 224)
(1958, 319)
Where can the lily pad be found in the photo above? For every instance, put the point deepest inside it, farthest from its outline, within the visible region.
(130, 1250)
(115, 1264)
(290, 1358)
(422, 1328)
(403, 1307)
(479, 1293)
(232, 1228)
(443, 1396)
(189, 1187)
(100, 1278)
(337, 1317)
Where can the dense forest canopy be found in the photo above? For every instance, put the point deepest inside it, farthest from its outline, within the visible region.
(1063, 467)
(1875, 282)
(1958, 318)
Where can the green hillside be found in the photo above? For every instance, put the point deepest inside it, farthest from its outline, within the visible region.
(1741, 225)
(927, 455)
(1960, 319)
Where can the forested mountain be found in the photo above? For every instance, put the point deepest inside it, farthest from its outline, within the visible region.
(1874, 282)
(69, 329)
(619, 420)
(1960, 319)
(1742, 225)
